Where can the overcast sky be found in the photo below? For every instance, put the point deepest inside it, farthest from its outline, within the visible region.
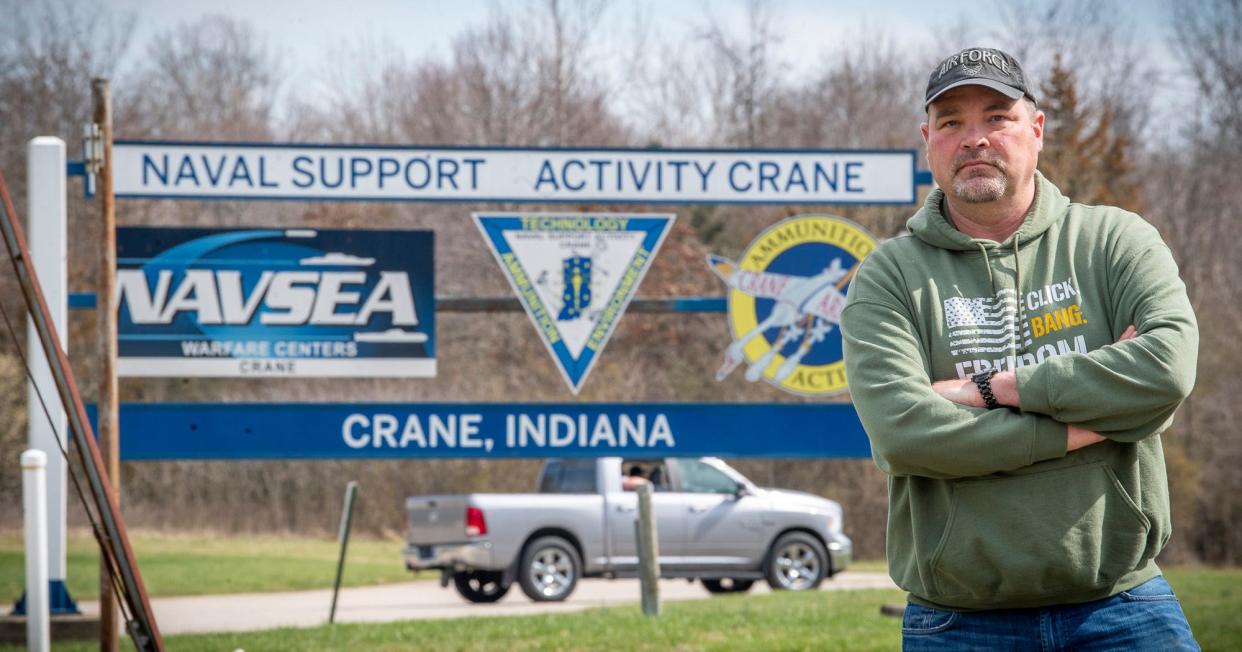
(305, 33)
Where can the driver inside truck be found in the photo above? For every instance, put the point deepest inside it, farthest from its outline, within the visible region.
(634, 478)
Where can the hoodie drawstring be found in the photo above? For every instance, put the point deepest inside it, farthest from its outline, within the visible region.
(1017, 266)
(1017, 294)
(987, 264)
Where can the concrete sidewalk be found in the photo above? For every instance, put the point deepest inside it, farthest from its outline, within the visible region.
(415, 600)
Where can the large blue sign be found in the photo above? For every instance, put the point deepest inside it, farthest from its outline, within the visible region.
(487, 430)
(275, 302)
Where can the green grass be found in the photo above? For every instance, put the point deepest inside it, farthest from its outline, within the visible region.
(189, 565)
(869, 566)
(1211, 598)
(809, 621)
(779, 621)
(203, 565)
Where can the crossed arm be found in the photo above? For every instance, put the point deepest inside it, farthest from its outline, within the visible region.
(1005, 391)
(1125, 392)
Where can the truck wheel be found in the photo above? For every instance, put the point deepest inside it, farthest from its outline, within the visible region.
(550, 569)
(481, 586)
(797, 562)
(727, 585)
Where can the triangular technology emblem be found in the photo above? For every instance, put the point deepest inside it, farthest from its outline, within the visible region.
(575, 273)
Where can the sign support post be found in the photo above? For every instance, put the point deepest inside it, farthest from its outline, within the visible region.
(47, 210)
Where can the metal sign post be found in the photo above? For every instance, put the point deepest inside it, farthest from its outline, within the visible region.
(347, 519)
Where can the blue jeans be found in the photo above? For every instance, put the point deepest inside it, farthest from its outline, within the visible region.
(1147, 617)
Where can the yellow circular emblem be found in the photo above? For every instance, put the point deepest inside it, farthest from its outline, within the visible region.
(786, 293)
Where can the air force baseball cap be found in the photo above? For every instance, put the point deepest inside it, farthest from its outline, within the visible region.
(978, 67)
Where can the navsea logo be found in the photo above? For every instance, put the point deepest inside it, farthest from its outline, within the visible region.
(275, 302)
(786, 293)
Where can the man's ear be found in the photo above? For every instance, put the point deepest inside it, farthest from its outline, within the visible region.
(1037, 124)
(924, 128)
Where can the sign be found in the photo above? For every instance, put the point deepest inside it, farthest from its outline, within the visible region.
(164, 170)
(275, 302)
(786, 293)
(575, 273)
(166, 431)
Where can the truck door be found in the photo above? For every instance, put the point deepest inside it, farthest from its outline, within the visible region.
(722, 529)
(622, 515)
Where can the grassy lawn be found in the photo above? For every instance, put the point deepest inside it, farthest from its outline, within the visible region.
(189, 565)
(200, 565)
(869, 566)
(815, 621)
(780, 621)
(1211, 598)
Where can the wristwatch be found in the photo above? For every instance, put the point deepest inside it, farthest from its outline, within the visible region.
(983, 380)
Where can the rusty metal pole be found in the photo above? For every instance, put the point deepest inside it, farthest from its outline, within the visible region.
(105, 319)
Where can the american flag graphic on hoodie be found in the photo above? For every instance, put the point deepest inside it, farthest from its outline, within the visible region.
(985, 324)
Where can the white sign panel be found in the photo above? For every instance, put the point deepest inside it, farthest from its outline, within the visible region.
(648, 176)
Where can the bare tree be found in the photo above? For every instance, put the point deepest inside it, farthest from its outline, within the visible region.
(1196, 209)
(744, 76)
(48, 55)
(211, 79)
(1209, 39)
(660, 95)
(1099, 39)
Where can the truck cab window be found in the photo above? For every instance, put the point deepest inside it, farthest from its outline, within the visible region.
(638, 472)
(568, 477)
(701, 478)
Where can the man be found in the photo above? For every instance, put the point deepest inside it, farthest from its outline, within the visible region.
(1014, 361)
(634, 479)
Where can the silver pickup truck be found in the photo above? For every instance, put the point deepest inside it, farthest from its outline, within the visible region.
(713, 524)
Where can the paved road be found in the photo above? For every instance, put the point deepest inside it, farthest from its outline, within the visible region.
(414, 600)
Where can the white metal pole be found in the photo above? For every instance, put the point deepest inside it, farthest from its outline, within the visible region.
(34, 516)
(46, 215)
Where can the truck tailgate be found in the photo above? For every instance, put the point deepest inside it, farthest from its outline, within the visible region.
(436, 519)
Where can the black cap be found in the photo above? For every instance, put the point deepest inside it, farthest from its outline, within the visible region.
(978, 67)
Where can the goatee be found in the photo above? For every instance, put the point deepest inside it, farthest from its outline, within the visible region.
(980, 190)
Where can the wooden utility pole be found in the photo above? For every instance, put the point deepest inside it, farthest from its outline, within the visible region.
(105, 319)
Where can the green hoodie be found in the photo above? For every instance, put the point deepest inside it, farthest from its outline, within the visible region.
(986, 508)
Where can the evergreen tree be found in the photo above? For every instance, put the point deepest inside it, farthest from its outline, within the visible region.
(1083, 154)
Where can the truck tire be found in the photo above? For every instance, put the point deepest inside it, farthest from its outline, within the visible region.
(481, 586)
(796, 562)
(549, 569)
(728, 585)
